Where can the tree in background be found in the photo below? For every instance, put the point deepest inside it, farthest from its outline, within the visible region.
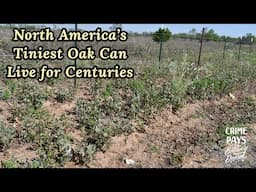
(115, 26)
(248, 38)
(160, 36)
(192, 33)
(211, 35)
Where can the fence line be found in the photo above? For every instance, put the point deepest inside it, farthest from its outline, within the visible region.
(147, 50)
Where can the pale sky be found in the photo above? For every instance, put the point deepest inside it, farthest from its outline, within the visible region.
(234, 30)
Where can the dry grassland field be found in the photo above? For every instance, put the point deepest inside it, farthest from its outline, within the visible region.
(173, 113)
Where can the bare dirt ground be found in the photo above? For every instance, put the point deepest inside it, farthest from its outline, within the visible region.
(183, 139)
(174, 140)
(4, 112)
(19, 151)
(167, 141)
(57, 109)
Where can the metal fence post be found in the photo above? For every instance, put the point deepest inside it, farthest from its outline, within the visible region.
(224, 49)
(201, 45)
(161, 46)
(239, 50)
(75, 63)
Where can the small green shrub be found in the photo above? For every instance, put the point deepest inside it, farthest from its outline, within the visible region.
(87, 113)
(176, 159)
(5, 94)
(9, 164)
(209, 87)
(31, 94)
(137, 85)
(48, 135)
(108, 91)
(7, 133)
(175, 93)
(11, 85)
(111, 106)
(26, 163)
(63, 95)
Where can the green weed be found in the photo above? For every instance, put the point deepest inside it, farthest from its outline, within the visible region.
(7, 134)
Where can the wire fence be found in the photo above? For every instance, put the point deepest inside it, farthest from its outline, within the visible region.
(142, 49)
